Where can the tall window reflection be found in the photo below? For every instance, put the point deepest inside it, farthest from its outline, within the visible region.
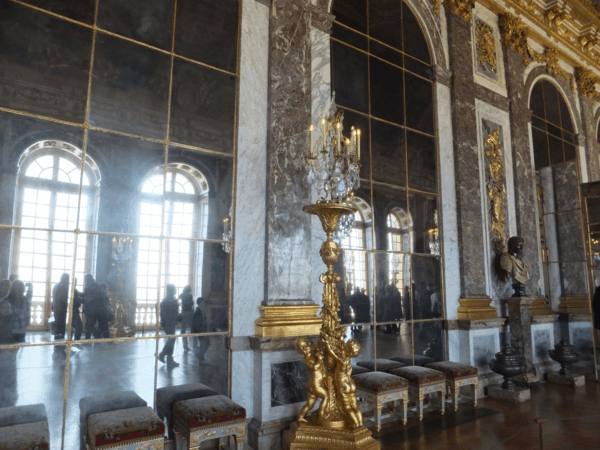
(46, 206)
(185, 216)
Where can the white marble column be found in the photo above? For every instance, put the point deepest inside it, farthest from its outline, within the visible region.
(250, 195)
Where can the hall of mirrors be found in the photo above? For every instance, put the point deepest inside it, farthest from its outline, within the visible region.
(153, 177)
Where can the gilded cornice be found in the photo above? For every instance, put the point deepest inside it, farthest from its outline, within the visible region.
(460, 8)
(586, 83)
(573, 23)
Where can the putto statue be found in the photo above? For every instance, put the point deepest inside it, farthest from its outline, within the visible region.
(513, 264)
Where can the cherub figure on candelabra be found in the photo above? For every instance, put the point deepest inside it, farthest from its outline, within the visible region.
(316, 386)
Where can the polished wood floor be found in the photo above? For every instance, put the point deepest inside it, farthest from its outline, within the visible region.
(573, 423)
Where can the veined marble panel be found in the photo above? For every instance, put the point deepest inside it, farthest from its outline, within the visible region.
(249, 221)
(448, 194)
(242, 368)
(478, 347)
(542, 341)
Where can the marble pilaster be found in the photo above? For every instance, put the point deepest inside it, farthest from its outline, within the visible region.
(519, 319)
(288, 229)
(468, 190)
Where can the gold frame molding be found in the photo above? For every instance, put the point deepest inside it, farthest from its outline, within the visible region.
(287, 321)
(476, 309)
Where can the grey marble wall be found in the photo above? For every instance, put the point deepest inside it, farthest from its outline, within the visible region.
(589, 134)
(288, 230)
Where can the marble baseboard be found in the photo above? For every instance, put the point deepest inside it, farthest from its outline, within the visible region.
(268, 435)
(572, 380)
(518, 396)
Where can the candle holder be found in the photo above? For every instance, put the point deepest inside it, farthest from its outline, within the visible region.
(227, 233)
(337, 422)
(122, 251)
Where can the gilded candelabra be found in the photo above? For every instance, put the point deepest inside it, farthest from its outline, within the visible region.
(122, 250)
(337, 421)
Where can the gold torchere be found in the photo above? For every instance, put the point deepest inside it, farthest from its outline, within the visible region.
(121, 253)
(337, 422)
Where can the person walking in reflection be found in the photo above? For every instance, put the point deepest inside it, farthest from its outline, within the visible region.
(199, 326)
(5, 311)
(76, 322)
(187, 312)
(92, 307)
(4, 287)
(169, 316)
(20, 309)
(104, 314)
(60, 304)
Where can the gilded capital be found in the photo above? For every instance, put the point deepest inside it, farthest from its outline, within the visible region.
(586, 83)
(514, 35)
(461, 8)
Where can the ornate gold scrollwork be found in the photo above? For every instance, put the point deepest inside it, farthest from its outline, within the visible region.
(436, 6)
(550, 57)
(586, 82)
(461, 8)
(496, 191)
(588, 42)
(556, 16)
(486, 46)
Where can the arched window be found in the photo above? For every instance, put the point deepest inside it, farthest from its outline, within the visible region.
(46, 207)
(554, 140)
(185, 216)
(399, 243)
(354, 256)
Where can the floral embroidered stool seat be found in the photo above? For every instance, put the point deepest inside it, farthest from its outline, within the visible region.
(166, 398)
(126, 429)
(379, 388)
(383, 365)
(24, 428)
(97, 404)
(421, 382)
(457, 376)
(408, 360)
(202, 419)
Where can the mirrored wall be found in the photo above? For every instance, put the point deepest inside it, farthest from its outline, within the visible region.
(117, 129)
(391, 292)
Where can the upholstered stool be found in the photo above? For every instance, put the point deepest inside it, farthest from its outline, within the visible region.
(379, 388)
(357, 370)
(166, 398)
(423, 381)
(408, 360)
(383, 365)
(104, 403)
(124, 428)
(24, 427)
(457, 376)
(202, 419)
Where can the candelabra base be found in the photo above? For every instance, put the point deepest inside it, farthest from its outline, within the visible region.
(303, 436)
(288, 321)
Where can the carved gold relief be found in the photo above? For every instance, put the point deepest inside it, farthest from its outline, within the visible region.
(556, 16)
(586, 82)
(496, 191)
(461, 8)
(486, 46)
(588, 42)
(436, 6)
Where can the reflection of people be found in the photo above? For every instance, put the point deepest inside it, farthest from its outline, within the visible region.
(315, 387)
(4, 288)
(187, 311)
(76, 323)
(5, 310)
(199, 326)
(92, 307)
(513, 264)
(20, 309)
(60, 304)
(169, 313)
(346, 388)
(105, 314)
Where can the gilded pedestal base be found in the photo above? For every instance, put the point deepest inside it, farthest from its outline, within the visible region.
(310, 437)
(476, 309)
(574, 305)
(287, 321)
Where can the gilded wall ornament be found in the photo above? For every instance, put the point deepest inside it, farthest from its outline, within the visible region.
(486, 46)
(588, 42)
(556, 16)
(436, 6)
(461, 8)
(550, 57)
(496, 191)
(586, 82)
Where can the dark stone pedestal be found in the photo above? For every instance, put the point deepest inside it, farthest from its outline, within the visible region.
(519, 320)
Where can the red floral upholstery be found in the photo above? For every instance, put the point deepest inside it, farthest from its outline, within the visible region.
(215, 409)
(419, 375)
(379, 382)
(123, 426)
(454, 369)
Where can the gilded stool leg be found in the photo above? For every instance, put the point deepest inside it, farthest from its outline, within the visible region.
(404, 409)
(474, 388)
(455, 394)
(420, 405)
(378, 408)
(239, 441)
(442, 402)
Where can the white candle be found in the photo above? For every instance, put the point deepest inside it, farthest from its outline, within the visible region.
(324, 136)
(312, 152)
(339, 139)
(358, 143)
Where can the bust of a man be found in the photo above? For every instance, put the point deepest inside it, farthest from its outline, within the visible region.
(513, 264)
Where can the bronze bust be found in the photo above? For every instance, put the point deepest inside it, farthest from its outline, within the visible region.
(513, 264)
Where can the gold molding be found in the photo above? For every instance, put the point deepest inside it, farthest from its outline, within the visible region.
(541, 307)
(586, 83)
(461, 8)
(436, 6)
(496, 191)
(476, 309)
(514, 36)
(574, 305)
(287, 321)
(486, 46)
